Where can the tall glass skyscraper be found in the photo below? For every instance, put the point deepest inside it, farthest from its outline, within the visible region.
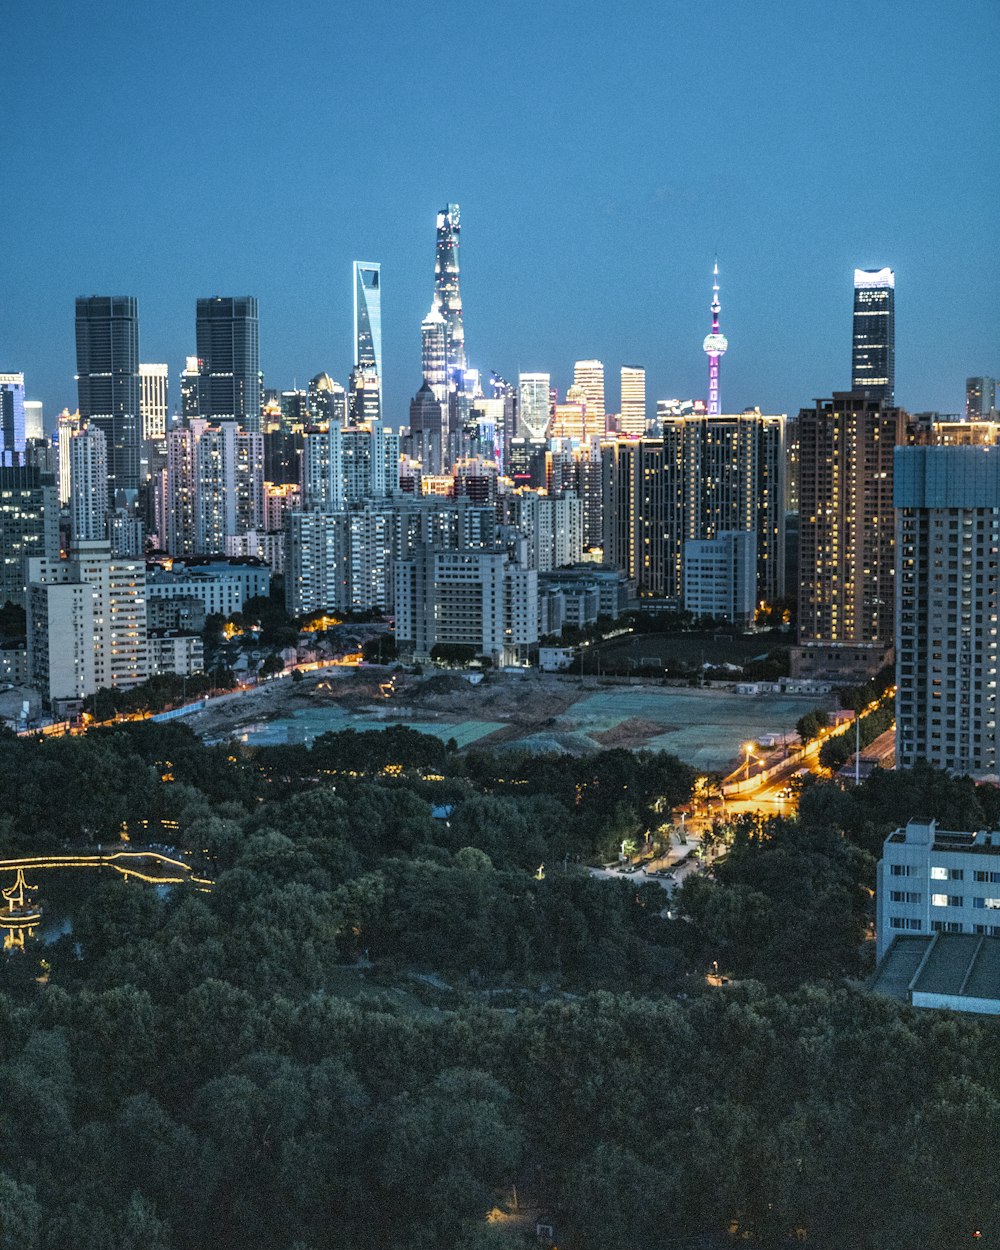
(368, 315)
(447, 296)
(107, 369)
(227, 334)
(12, 419)
(873, 359)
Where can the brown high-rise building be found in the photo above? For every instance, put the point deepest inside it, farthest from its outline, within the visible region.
(846, 536)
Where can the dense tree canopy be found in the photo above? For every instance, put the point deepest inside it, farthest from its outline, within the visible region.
(382, 1018)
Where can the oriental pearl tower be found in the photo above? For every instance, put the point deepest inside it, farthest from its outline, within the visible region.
(715, 346)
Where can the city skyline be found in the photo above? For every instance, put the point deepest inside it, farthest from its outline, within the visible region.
(787, 262)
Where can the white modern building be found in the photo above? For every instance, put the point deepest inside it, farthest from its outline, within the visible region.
(153, 402)
(933, 880)
(533, 405)
(61, 629)
(632, 418)
(88, 475)
(171, 651)
(476, 599)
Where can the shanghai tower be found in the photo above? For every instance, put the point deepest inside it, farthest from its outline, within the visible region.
(447, 296)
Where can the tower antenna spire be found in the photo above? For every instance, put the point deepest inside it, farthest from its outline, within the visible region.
(715, 345)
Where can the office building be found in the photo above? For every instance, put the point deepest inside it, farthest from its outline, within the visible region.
(29, 526)
(588, 376)
(153, 380)
(948, 607)
(932, 880)
(327, 400)
(88, 502)
(481, 600)
(533, 405)
(34, 420)
(114, 628)
(447, 296)
(426, 439)
(365, 399)
(190, 375)
(12, 420)
(632, 418)
(873, 359)
(227, 334)
(434, 353)
(980, 399)
(107, 367)
(847, 586)
(720, 576)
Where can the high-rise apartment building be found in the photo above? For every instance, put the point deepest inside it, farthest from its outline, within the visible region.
(153, 402)
(588, 375)
(980, 399)
(88, 473)
(846, 536)
(873, 359)
(552, 526)
(214, 486)
(632, 418)
(29, 526)
(67, 425)
(61, 629)
(948, 607)
(703, 477)
(533, 405)
(12, 420)
(227, 333)
(107, 368)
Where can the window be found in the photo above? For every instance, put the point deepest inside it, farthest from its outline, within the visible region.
(947, 874)
(904, 922)
(905, 896)
(939, 900)
(992, 904)
(991, 877)
(902, 870)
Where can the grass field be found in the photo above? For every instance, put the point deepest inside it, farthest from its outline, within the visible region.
(652, 649)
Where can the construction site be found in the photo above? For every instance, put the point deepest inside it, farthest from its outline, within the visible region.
(706, 727)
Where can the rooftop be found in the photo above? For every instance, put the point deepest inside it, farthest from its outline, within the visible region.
(956, 965)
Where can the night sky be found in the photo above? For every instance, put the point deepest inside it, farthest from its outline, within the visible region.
(601, 153)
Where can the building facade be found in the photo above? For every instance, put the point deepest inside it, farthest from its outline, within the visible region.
(88, 472)
(931, 880)
(227, 331)
(720, 576)
(873, 357)
(948, 607)
(13, 431)
(29, 527)
(847, 586)
(632, 418)
(107, 368)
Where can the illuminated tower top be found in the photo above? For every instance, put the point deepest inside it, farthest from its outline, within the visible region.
(715, 345)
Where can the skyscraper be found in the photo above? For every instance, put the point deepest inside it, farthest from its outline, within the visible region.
(227, 334)
(980, 399)
(589, 375)
(447, 296)
(947, 647)
(715, 346)
(434, 352)
(327, 399)
(533, 405)
(365, 402)
(632, 419)
(12, 432)
(107, 368)
(88, 472)
(34, 421)
(873, 359)
(29, 526)
(153, 402)
(846, 536)
(368, 315)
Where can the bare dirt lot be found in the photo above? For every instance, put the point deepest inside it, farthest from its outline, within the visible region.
(539, 711)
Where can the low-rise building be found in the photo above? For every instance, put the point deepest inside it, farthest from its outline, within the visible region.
(950, 971)
(720, 576)
(171, 651)
(933, 880)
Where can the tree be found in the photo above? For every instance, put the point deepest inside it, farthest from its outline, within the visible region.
(811, 725)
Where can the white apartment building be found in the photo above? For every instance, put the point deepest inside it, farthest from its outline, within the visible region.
(88, 476)
(60, 630)
(553, 526)
(171, 651)
(478, 599)
(933, 880)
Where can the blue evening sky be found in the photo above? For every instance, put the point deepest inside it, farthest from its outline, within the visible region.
(601, 153)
